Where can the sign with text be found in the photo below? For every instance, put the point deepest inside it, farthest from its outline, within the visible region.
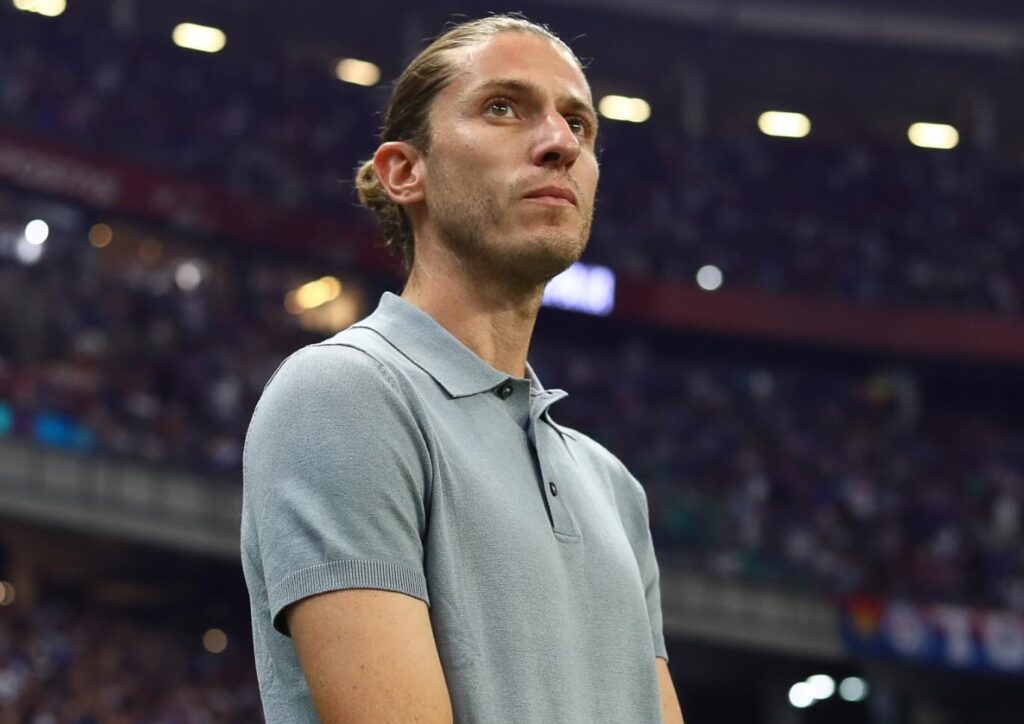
(938, 634)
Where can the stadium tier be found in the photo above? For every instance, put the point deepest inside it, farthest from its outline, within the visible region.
(786, 473)
(864, 221)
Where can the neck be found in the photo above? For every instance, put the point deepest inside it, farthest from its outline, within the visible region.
(492, 317)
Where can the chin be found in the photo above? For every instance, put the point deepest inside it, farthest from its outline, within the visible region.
(538, 260)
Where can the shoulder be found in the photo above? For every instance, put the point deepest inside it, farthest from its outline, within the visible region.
(344, 363)
(334, 388)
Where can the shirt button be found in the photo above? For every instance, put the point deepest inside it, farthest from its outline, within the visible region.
(505, 391)
(551, 486)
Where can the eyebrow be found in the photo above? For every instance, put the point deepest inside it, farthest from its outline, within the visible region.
(574, 103)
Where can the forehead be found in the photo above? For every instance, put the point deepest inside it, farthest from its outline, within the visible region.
(523, 56)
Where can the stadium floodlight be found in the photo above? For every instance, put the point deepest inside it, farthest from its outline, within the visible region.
(584, 288)
(623, 108)
(189, 275)
(359, 72)
(199, 37)
(49, 8)
(37, 232)
(312, 294)
(709, 278)
(26, 252)
(784, 124)
(822, 686)
(100, 235)
(215, 641)
(853, 688)
(800, 695)
(941, 136)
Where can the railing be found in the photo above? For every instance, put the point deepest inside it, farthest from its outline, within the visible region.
(202, 515)
(119, 498)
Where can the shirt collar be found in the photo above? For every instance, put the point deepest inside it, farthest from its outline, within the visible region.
(434, 349)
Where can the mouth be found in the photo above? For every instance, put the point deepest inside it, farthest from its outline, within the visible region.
(553, 196)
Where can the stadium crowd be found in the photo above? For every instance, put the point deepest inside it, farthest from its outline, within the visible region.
(82, 664)
(872, 224)
(790, 473)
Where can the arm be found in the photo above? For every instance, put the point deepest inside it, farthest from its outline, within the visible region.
(369, 656)
(670, 711)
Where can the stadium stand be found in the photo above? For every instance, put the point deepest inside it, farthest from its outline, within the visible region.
(865, 222)
(821, 480)
(68, 663)
(831, 475)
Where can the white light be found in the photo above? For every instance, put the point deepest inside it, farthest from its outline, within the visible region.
(49, 8)
(360, 72)
(853, 688)
(215, 641)
(622, 108)
(582, 288)
(188, 275)
(822, 686)
(36, 232)
(199, 37)
(800, 695)
(709, 277)
(27, 252)
(784, 124)
(934, 135)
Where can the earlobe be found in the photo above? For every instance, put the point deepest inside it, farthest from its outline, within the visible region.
(399, 168)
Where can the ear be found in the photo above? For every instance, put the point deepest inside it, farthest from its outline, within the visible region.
(399, 168)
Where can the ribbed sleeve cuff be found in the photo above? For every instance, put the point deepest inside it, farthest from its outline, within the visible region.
(339, 575)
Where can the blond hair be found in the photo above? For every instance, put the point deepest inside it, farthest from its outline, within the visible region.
(406, 115)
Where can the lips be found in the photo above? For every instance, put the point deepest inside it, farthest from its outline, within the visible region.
(553, 192)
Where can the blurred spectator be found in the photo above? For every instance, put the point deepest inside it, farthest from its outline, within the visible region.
(870, 224)
(791, 474)
(62, 664)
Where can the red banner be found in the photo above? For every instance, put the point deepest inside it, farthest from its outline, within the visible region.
(103, 184)
(748, 313)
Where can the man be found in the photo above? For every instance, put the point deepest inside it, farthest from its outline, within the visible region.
(421, 541)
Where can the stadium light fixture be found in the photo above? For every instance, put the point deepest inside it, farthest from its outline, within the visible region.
(26, 252)
(199, 37)
(709, 278)
(822, 686)
(49, 8)
(100, 235)
(312, 294)
(359, 72)
(784, 124)
(623, 108)
(189, 275)
(37, 232)
(215, 641)
(584, 288)
(801, 695)
(853, 688)
(934, 135)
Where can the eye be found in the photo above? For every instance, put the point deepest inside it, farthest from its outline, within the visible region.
(501, 107)
(579, 125)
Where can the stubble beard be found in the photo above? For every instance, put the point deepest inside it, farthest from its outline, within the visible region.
(473, 223)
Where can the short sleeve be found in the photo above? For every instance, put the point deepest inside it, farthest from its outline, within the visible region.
(643, 548)
(336, 476)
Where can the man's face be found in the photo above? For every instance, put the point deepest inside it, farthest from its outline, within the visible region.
(511, 135)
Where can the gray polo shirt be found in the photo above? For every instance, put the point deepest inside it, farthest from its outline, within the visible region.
(392, 457)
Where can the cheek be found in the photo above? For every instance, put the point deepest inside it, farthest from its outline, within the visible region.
(588, 177)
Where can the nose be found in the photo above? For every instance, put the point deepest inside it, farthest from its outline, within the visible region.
(556, 146)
